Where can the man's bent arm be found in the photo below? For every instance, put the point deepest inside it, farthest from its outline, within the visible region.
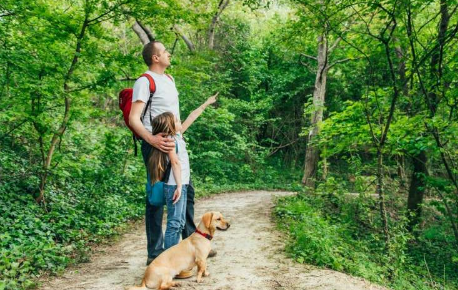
(159, 141)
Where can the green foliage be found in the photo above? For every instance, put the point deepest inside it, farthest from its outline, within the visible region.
(91, 199)
(344, 132)
(93, 183)
(339, 232)
(85, 52)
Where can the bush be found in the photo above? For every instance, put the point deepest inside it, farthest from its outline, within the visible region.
(321, 236)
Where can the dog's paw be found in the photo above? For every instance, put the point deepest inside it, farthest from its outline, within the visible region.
(177, 284)
(206, 274)
(199, 280)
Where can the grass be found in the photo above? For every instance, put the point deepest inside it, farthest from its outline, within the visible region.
(330, 234)
(37, 240)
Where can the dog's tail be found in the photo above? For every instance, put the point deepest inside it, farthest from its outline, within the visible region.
(141, 287)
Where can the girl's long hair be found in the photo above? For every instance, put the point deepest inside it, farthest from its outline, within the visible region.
(157, 160)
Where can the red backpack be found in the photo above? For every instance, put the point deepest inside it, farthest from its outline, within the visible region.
(125, 104)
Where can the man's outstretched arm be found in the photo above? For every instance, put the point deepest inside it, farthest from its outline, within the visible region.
(160, 141)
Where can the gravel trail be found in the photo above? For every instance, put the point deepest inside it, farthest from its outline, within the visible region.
(250, 255)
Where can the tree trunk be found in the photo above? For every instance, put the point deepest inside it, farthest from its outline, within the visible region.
(431, 97)
(211, 31)
(417, 188)
(433, 100)
(63, 126)
(325, 166)
(437, 57)
(312, 152)
(36, 110)
(380, 142)
(188, 43)
(186, 40)
(380, 193)
(140, 33)
(147, 31)
(402, 70)
(400, 160)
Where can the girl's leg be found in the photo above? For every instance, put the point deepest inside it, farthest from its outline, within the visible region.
(174, 217)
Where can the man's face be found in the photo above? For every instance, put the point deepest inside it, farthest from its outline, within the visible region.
(162, 56)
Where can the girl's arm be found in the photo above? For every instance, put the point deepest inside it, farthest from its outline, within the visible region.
(176, 169)
(196, 113)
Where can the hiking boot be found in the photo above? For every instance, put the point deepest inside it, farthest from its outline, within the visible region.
(149, 260)
(212, 253)
(184, 274)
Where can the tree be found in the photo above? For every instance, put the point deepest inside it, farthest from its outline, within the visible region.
(434, 89)
(211, 30)
(327, 41)
(63, 32)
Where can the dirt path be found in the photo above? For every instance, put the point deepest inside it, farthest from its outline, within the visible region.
(249, 255)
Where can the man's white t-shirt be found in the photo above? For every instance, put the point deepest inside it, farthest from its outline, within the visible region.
(184, 162)
(165, 99)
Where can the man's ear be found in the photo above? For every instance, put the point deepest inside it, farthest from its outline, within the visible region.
(207, 219)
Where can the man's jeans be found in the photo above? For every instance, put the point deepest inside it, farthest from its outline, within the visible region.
(154, 214)
(176, 215)
(190, 226)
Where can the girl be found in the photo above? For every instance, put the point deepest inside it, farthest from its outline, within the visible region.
(175, 187)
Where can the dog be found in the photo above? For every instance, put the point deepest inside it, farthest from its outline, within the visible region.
(185, 255)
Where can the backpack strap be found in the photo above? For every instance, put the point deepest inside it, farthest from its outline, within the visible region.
(170, 77)
(152, 90)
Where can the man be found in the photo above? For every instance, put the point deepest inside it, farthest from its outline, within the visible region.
(165, 99)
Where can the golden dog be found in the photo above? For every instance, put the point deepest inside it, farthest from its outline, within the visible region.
(184, 256)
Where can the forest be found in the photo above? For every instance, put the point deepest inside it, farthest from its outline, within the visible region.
(353, 105)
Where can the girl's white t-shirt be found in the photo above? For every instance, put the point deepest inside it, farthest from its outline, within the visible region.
(184, 161)
(165, 99)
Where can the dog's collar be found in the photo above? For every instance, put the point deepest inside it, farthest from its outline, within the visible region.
(207, 236)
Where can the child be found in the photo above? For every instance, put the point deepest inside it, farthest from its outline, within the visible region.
(175, 188)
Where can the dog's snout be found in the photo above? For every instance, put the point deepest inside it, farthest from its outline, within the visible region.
(228, 225)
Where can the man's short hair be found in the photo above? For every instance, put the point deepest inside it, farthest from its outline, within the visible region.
(149, 50)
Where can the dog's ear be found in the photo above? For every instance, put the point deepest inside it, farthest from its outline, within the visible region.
(207, 219)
